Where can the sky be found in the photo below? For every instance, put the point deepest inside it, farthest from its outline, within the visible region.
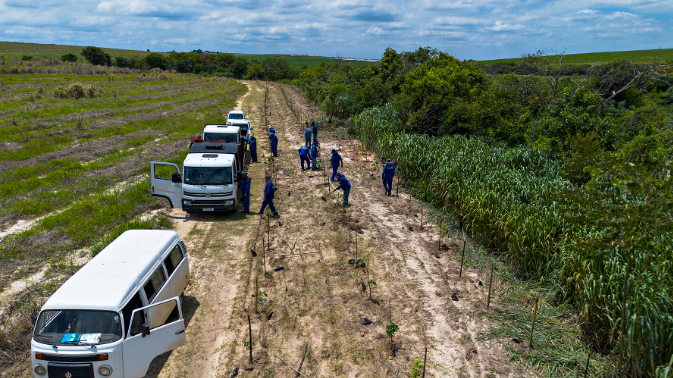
(466, 29)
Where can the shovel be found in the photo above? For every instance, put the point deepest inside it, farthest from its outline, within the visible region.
(324, 198)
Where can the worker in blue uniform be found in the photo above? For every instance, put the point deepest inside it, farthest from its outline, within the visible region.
(307, 137)
(305, 156)
(314, 156)
(268, 197)
(343, 185)
(387, 176)
(245, 192)
(252, 142)
(335, 162)
(274, 144)
(315, 132)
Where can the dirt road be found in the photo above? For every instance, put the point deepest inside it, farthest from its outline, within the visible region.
(315, 305)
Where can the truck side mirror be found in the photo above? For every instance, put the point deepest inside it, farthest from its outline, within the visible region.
(176, 178)
(33, 318)
(145, 329)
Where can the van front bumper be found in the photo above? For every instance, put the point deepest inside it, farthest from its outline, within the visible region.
(208, 206)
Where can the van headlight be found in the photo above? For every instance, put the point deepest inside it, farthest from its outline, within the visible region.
(40, 369)
(228, 202)
(105, 370)
(187, 202)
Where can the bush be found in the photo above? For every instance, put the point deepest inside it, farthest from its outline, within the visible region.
(69, 57)
(76, 91)
(26, 57)
(155, 60)
(96, 56)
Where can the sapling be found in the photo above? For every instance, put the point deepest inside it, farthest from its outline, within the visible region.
(391, 329)
(370, 283)
(261, 297)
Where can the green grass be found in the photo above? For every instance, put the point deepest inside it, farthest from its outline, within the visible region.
(49, 51)
(305, 60)
(637, 56)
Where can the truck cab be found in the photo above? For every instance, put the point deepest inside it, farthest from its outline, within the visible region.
(207, 181)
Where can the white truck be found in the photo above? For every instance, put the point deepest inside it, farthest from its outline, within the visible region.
(238, 118)
(208, 179)
(117, 313)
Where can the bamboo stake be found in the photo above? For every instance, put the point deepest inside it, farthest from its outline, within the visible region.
(586, 369)
(532, 327)
(263, 255)
(490, 283)
(256, 292)
(425, 358)
(250, 331)
(302, 361)
(461, 259)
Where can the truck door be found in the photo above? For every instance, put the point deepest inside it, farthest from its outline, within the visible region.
(167, 183)
(143, 343)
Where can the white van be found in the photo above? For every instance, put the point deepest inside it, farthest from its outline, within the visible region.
(117, 313)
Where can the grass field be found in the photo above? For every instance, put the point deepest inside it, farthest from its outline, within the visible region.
(305, 60)
(638, 56)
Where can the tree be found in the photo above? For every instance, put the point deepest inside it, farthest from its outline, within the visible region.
(155, 60)
(69, 57)
(96, 56)
(255, 71)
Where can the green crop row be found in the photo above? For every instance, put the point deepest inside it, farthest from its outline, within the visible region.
(517, 202)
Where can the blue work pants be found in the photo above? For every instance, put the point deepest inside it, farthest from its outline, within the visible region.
(253, 154)
(270, 204)
(314, 166)
(346, 193)
(246, 203)
(334, 172)
(305, 159)
(388, 185)
(274, 150)
(308, 141)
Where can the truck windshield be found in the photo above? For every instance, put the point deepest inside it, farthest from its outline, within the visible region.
(208, 175)
(236, 116)
(77, 327)
(227, 138)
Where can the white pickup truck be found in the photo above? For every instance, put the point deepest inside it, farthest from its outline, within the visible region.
(238, 118)
(208, 182)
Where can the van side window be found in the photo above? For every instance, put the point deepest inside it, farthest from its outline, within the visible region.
(173, 260)
(154, 284)
(133, 304)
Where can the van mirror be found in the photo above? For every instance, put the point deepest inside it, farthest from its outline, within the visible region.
(33, 318)
(176, 178)
(145, 329)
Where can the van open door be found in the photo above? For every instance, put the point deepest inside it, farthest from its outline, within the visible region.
(143, 343)
(167, 183)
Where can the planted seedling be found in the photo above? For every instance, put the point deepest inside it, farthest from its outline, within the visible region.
(371, 283)
(261, 297)
(360, 263)
(391, 329)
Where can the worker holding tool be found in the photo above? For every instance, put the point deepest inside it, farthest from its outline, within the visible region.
(252, 142)
(307, 137)
(305, 156)
(315, 132)
(268, 197)
(387, 176)
(245, 191)
(314, 155)
(274, 143)
(343, 185)
(335, 162)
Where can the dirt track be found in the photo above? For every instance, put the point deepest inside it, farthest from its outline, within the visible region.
(316, 303)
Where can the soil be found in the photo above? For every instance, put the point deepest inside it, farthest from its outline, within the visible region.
(312, 299)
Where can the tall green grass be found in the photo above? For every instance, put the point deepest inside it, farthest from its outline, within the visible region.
(516, 201)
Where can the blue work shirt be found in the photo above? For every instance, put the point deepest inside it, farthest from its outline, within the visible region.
(268, 191)
(304, 152)
(343, 184)
(245, 186)
(274, 139)
(314, 151)
(336, 158)
(388, 172)
(315, 129)
(307, 133)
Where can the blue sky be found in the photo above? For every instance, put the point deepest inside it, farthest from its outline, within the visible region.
(467, 29)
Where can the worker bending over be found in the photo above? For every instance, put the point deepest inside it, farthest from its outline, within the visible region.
(305, 156)
(343, 185)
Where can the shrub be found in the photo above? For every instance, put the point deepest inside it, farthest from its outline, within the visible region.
(69, 57)
(96, 56)
(26, 57)
(76, 91)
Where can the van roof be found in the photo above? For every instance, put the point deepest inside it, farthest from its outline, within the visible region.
(208, 159)
(109, 280)
(221, 128)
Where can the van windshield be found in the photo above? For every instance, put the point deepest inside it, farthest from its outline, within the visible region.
(236, 116)
(77, 327)
(226, 138)
(208, 175)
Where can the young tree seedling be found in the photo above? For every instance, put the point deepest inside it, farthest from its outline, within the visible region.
(370, 283)
(391, 329)
(532, 327)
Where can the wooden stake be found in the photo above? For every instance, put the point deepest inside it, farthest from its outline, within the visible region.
(490, 283)
(256, 292)
(302, 361)
(532, 327)
(250, 331)
(263, 255)
(461, 259)
(586, 370)
(425, 358)
(268, 232)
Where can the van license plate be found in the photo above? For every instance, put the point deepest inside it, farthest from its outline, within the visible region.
(208, 209)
